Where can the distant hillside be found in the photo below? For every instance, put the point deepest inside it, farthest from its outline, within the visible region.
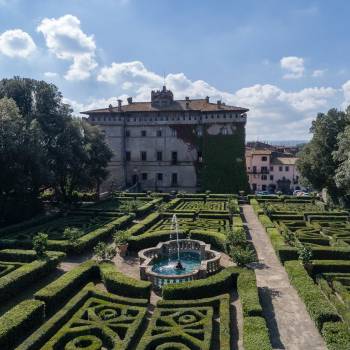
(289, 143)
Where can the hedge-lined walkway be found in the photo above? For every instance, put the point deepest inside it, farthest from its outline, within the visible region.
(289, 323)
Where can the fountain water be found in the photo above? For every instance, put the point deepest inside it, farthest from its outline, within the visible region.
(175, 227)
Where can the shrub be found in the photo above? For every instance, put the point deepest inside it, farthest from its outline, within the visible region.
(318, 306)
(248, 293)
(57, 292)
(18, 322)
(40, 244)
(121, 284)
(336, 335)
(120, 237)
(255, 334)
(220, 283)
(305, 254)
(104, 251)
(242, 256)
(265, 221)
(14, 282)
(237, 237)
(72, 235)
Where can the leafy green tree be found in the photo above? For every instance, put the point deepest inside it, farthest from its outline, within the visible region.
(22, 160)
(43, 146)
(316, 163)
(342, 157)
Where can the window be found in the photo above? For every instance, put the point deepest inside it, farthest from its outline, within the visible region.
(173, 132)
(199, 157)
(128, 156)
(271, 168)
(199, 131)
(174, 179)
(143, 133)
(254, 169)
(280, 168)
(159, 156)
(286, 168)
(263, 177)
(143, 155)
(263, 187)
(159, 133)
(127, 133)
(271, 177)
(264, 169)
(160, 177)
(174, 157)
(264, 158)
(254, 187)
(144, 176)
(224, 131)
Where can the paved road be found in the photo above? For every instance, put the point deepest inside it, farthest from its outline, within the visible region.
(289, 323)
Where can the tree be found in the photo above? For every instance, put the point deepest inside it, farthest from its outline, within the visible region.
(40, 243)
(22, 159)
(44, 146)
(316, 162)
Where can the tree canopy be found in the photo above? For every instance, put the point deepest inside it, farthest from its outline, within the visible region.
(324, 161)
(43, 146)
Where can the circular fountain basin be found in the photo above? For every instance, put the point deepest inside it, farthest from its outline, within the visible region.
(190, 261)
(158, 264)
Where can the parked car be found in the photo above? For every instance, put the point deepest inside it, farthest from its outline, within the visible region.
(262, 193)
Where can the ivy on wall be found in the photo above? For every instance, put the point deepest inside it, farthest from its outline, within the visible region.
(223, 167)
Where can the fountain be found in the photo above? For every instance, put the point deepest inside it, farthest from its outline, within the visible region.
(177, 260)
(175, 226)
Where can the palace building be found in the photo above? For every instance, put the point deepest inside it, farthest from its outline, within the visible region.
(168, 144)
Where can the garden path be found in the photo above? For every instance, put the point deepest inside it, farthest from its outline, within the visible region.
(289, 323)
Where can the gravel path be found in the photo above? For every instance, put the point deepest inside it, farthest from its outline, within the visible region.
(289, 323)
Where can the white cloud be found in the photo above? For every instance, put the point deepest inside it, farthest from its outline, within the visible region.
(16, 43)
(346, 93)
(67, 41)
(274, 112)
(294, 67)
(50, 75)
(317, 73)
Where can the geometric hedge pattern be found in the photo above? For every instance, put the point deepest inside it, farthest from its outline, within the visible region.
(99, 324)
(182, 328)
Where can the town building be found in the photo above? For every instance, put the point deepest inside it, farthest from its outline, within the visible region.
(272, 169)
(167, 144)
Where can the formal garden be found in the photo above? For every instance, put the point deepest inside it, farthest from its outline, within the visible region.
(98, 304)
(312, 241)
(122, 286)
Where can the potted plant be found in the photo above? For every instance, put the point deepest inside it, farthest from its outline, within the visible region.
(120, 239)
(104, 252)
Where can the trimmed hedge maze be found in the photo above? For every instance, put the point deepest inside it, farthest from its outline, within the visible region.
(323, 283)
(74, 313)
(94, 223)
(94, 306)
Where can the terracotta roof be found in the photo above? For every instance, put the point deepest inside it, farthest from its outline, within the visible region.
(178, 105)
(256, 152)
(284, 160)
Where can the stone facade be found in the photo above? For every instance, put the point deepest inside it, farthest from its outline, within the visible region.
(153, 142)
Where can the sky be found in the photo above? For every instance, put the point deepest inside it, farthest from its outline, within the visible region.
(284, 60)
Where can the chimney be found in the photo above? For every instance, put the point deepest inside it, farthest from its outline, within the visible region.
(130, 100)
(219, 103)
(119, 105)
(187, 105)
(110, 107)
(207, 99)
(187, 98)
